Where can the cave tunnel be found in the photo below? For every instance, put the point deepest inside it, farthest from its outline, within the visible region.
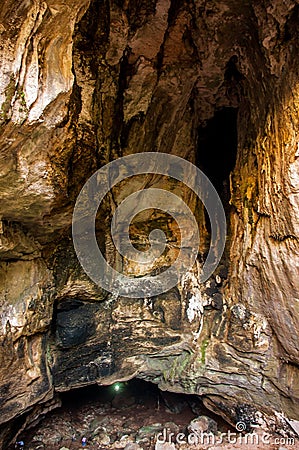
(134, 409)
(217, 149)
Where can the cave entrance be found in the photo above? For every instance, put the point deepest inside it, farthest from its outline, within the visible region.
(133, 411)
(121, 395)
(217, 150)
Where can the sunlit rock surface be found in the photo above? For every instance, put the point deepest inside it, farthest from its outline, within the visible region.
(83, 83)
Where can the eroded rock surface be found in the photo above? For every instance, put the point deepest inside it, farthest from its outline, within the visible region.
(85, 82)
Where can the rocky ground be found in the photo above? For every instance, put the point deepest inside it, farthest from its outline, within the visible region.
(135, 416)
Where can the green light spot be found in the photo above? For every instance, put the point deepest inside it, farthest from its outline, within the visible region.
(116, 387)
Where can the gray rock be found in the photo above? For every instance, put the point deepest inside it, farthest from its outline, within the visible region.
(97, 422)
(165, 446)
(202, 424)
(143, 440)
(149, 430)
(99, 430)
(103, 438)
(132, 446)
(124, 437)
(147, 433)
(37, 446)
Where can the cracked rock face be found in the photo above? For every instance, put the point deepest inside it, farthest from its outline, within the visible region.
(85, 82)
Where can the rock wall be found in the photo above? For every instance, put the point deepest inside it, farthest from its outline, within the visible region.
(85, 82)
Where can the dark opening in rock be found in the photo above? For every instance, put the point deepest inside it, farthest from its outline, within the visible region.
(217, 149)
(133, 410)
(138, 392)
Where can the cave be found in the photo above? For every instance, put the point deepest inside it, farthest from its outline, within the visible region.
(108, 110)
(130, 406)
(216, 154)
(217, 149)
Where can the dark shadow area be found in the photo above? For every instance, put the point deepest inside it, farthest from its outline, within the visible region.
(217, 149)
(136, 391)
(217, 152)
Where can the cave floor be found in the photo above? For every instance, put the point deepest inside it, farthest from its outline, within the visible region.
(126, 422)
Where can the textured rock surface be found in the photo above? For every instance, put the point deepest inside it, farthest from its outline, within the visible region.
(85, 82)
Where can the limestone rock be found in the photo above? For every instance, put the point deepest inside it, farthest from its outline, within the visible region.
(103, 439)
(132, 446)
(85, 82)
(202, 424)
(148, 431)
(165, 446)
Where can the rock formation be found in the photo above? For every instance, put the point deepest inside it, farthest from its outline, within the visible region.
(85, 82)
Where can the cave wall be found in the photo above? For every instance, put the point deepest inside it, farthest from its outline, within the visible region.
(85, 82)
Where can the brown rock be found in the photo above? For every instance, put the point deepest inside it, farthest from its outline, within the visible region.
(202, 424)
(83, 83)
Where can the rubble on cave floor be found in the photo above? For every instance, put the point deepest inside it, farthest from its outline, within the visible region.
(133, 416)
